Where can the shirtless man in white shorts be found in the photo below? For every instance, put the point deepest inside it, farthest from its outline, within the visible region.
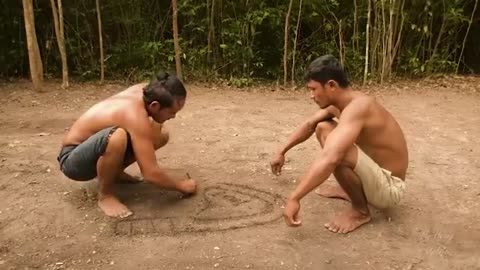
(364, 148)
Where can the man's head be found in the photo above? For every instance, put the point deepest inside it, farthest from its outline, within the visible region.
(325, 77)
(164, 96)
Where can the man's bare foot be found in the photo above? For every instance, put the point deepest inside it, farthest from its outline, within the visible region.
(125, 178)
(332, 192)
(112, 207)
(348, 221)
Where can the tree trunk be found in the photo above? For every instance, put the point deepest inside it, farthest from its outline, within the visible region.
(384, 47)
(377, 48)
(367, 31)
(341, 49)
(285, 46)
(63, 50)
(209, 34)
(100, 41)
(375, 67)
(355, 28)
(399, 35)
(178, 62)
(58, 22)
(297, 29)
(35, 61)
(439, 37)
(391, 32)
(466, 35)
(211, 52)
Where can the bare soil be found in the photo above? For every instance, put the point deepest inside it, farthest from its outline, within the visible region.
(224, 138)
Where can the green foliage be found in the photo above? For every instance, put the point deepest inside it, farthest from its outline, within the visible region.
(237, 41)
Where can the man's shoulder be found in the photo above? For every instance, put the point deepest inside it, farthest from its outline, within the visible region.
(135, 113)
(135, 89)
(363, 99)
(131, 116)
(360, 104)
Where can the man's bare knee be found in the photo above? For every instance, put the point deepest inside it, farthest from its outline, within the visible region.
(349, 161)
(117, 143)
(325, 126)
(110, 163)
(323, 129)
(161, 139)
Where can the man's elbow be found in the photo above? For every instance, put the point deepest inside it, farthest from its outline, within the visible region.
(310, 125)
(149, 173)
(332, 158)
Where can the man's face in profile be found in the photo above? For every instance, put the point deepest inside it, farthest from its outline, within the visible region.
(318, 93)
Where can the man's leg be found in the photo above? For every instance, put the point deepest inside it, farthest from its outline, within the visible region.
(322, 131)
(350, 188)
(160, 139)
(109, 165)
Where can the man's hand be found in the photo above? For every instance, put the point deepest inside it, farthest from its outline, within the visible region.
(277, 163)
(290, 213)
(187, 186)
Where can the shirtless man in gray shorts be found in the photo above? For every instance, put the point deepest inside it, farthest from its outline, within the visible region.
(365, 149)
(120, 130)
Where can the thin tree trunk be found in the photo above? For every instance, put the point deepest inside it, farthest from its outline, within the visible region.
(100, 41)
(58, 22)
(391, 32)
(296, 39)
(375, 66)
(178, 62)
(340, 41)
(384, 47)
(285, 46)
(440, 33)
(367, 31)
(211, 36)
(430, 39)
(355, 27)
(56, 27)
(466, 35)
(63, 50)
(208, 10)
(399, 36)
(36, 67)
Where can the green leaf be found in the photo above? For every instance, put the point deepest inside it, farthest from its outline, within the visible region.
(223, 46)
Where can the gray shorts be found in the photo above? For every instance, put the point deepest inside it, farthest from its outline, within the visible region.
(79, 162)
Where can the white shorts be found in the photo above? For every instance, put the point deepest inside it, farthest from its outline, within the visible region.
(381, 188)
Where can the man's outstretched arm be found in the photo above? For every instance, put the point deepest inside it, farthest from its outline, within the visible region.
(142, 141)
(300, 135)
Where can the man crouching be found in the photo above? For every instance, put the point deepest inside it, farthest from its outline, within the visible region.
(120, 130)
(365, 149)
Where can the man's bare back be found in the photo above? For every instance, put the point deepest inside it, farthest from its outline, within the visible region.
(113, 111)
(381, 137)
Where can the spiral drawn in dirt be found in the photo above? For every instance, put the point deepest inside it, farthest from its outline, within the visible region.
(224, 206)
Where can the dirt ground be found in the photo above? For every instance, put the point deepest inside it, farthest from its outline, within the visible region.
(225, 138)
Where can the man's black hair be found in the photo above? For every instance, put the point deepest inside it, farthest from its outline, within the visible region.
(326, 68)
(164, 89)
